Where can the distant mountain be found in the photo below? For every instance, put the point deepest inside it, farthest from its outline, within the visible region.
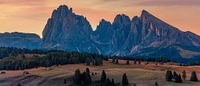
(20, 40)
(146, 36)
(67, 31)
(141, 36)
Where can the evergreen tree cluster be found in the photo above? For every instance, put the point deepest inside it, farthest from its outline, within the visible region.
(47, 59)
(178, 78)
(173, 77)
(82, 78)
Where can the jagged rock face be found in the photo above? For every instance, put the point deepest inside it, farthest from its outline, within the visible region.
(20, 40)
(68, 31)
(104, 27)
(146, 35)
(143, 36)
(121, 26)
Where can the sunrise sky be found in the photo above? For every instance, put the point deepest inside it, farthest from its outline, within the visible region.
(31, 15)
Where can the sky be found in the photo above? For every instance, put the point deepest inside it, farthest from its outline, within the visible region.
(30, 16)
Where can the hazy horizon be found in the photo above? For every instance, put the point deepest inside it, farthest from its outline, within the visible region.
(31, 16)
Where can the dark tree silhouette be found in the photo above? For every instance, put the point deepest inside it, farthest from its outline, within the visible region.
(124, 80)
(117, 61)
(65, 81)
(193, 76)
(169, 75)
(103, 77)
(113, 82)
(77, 77)
(156, 84)
(184, 74)
(175, 75)
(127, 62)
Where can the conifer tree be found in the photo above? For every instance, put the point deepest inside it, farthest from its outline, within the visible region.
(127, 62)
(103, 76)
(124, 80)
(77, 77)
(175, 75)
(169, 75)
(117, 62)
(65, 81)
(193, 76)
(86, 79)
(88, 70)
(113, 82)
(184, 74)
(156, 84)
(177, 78)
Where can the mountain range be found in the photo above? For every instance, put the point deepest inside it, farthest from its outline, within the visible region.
(140, 36)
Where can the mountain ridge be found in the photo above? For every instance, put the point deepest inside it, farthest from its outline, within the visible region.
(140, 36)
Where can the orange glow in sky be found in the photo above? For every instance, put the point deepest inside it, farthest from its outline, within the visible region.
(30, 16)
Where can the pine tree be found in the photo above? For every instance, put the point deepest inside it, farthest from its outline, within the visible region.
(127, 62)
(65, 81)
(193, 76)
(103, 76)
(77, 77)
(184, 74)
(177, 78)
(124, 80)
(88, 71)
(117, 62)
(86, 78)
(175, 75)
(169, 75)
(113, 82)
(156, 84)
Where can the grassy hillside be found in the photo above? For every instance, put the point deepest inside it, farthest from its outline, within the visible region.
(143, 75)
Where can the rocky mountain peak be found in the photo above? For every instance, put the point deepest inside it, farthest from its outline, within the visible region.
(62, 11)
(121, 19)
(145, 13)
(104, 23)
(67, 31)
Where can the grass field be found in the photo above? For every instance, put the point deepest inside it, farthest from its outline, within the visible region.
(143, 75)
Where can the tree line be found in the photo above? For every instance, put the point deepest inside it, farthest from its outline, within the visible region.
(24, 61)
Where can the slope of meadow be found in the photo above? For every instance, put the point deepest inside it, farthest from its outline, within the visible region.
(143, 75)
